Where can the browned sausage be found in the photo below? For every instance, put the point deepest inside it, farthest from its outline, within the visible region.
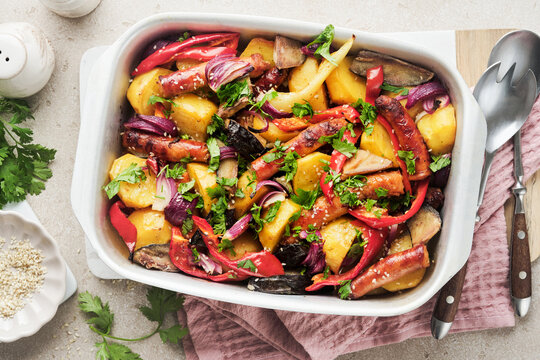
(270, 80)
(193, 78)
(389, 269)
(164, 148)
(407, 133)
(323, 211)
(304, 143)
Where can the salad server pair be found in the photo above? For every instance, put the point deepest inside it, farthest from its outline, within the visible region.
(506, 104)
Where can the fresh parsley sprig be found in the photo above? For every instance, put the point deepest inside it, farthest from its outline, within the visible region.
(439, 162)
(410, 160)
(230, 93)
(301, 110)
(24, 167)
(101, 321)
(395, 89)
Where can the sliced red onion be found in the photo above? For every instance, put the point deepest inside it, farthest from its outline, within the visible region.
(271, 198)
(314, 260)
(152, 164)
(424, 91)
(431, 104)
(224, 69)
(273, 112)
(142, 125)
(269, 183)
(238, 228)
(165, 125)
(401, 97)
(165, 190)
(227, 152)
(209, 265)
(264, 128)
(179, 209)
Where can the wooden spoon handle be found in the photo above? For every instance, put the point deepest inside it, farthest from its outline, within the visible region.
(449, 296)
(520, 258)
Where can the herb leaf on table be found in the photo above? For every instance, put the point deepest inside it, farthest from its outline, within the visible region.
(161, 302)
(23, 166)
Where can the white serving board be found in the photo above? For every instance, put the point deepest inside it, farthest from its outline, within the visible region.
(441, 42)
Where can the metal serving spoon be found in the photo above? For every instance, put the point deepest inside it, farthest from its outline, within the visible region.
(523, 48)
(506, 108)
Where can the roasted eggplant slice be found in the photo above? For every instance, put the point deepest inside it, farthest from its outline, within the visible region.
(291, 255)
(243, 141)
(424, 225)
(396, 72)
(364, 162)
(155, 256)
(288, 284)
(288, 53)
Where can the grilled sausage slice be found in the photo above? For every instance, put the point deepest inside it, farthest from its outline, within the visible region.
(164, 148)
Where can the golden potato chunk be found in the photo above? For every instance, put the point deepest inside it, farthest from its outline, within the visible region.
(138, 195)
(271, 232)
(344, 86)
(310, 169)
(142, 87)
(300, 77)
(245, 243)
(273, 133)
(203, 179)
(192, 114)
(378, 143)
(439, 130)
(152, 228)
(338, 237)
(247, 184)
(260, 46)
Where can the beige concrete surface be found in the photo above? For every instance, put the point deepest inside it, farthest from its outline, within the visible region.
(57, 125)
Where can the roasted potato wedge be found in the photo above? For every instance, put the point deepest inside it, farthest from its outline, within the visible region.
(138, 195)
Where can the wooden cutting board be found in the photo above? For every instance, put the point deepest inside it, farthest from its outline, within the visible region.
(473, 49)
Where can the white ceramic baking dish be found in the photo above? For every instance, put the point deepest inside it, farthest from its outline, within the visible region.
(99, 144)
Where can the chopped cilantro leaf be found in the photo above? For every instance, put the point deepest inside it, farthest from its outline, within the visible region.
(408, 157)
(326, 272)
(324, 40)
(153, 99)
(277, 153)
(247, 264)
(213, 149)
(381, 192)
(176, 172)
(239, 194)
(395, 89)
(185, 187)
(345, 289)
(183, 37)
(226, 244)
(230, 93)
(187, 225)
(301, 110)
(439, 162)
(306, 198)
(259, 104)
(368, 114)
(132, 174)
(290, 165)
(216, 128)
(196, 256)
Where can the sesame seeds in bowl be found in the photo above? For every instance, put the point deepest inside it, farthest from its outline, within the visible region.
(32, 277)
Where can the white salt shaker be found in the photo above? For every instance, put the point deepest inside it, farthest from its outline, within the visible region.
(26, 60)
(71, 8)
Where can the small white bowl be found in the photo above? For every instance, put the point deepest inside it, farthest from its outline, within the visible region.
(42, 305)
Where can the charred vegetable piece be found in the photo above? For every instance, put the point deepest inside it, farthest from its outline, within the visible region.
(396, 72)
(424, 224)
(434, 198)
(242, 140)
(288, 53)
(291, 255)
(270, 80)
(396, 266)
(155, 256)
(288, 284)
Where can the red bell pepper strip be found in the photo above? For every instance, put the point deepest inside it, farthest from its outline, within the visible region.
(339, 112)
(125, 228)
(181, 254)
(375, 241)
(375, 78)
(204, 53)
(169, 52)
(385, 221)
(265, 263)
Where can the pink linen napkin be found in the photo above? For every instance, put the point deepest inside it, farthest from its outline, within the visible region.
(224, 331)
